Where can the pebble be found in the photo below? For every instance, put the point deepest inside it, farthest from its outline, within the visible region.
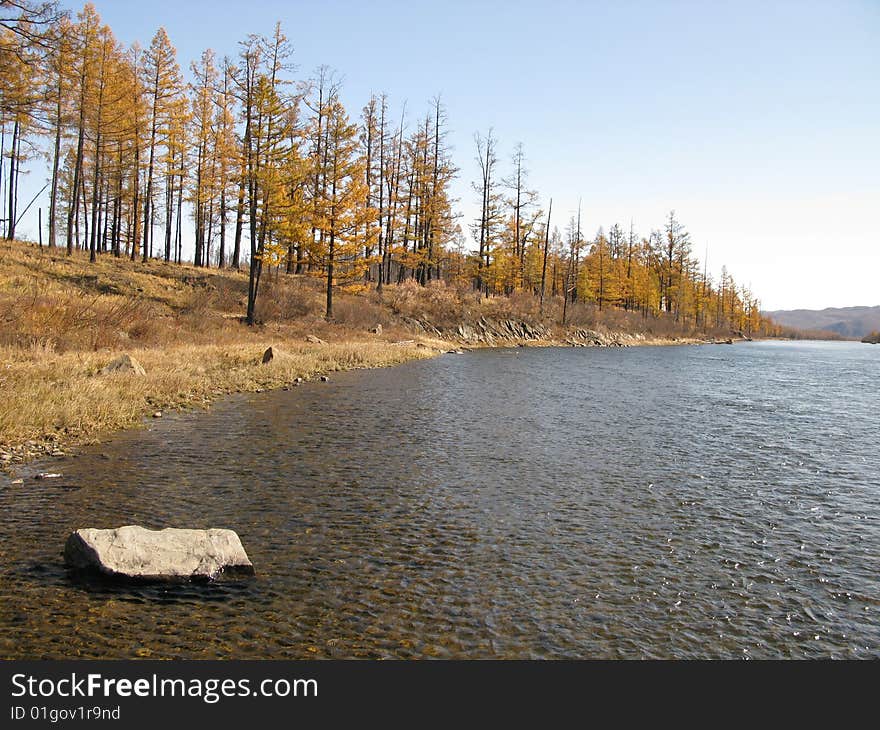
(157, 414)
(325, 379)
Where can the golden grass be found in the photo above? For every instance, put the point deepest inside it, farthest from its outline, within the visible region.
(64, 398)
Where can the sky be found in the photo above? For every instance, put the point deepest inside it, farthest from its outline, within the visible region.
(757, 122)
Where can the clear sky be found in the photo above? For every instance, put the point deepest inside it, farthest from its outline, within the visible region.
(758, 122)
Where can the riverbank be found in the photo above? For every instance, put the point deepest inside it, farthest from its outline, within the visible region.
(55, 402)
(65, 320)
(52, 402)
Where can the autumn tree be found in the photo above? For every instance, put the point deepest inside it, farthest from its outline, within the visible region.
(163, 84)
(267, 111)
(227, 151)
(202, 116)
(340, 209)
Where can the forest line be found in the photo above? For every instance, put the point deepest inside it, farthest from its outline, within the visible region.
(269, 172)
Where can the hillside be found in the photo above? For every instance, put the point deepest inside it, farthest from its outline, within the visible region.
(849, 322)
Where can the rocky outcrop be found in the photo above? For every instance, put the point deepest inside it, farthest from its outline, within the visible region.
(591, 338)
(315, 340)
(123, 364)
(872, 339)
(483, 331)
(173, 555)
(506, 332)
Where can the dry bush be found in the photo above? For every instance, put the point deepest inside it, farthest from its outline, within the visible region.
(359, 312)
(229, 292)
(288, 299)
(73, 319)
(198, 309)
(442, 305)
(583, 315)
(524, 305)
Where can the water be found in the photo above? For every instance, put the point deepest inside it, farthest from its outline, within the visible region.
(653, 502)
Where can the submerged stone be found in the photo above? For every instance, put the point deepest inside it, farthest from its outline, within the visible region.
(172, 554)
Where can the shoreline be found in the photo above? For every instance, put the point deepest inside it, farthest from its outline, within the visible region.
(89, 407)
(67, 319)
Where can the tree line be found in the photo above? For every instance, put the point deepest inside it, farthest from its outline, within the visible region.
(268, 172)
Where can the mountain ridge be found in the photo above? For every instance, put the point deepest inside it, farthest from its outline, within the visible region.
(854, 322)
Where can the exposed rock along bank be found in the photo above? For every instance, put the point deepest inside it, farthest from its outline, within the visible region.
(169, 555)
(506, 332)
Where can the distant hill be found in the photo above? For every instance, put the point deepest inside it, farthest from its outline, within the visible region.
(855, 322)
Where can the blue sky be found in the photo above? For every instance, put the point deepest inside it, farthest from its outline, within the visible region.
(756, 121)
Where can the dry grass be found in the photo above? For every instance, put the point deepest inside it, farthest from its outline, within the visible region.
(64, 398)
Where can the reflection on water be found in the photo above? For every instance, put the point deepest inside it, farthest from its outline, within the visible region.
(653, 502)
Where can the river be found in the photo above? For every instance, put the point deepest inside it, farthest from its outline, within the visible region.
(654, 502)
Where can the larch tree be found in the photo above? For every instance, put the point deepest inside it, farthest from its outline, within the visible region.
(266, 108)
(227, 150)
(105, 128)
(85, 34)
(203, 118)
(18, 119)
(163, 84)
(57, 83)
(341, 209)
(319, 95)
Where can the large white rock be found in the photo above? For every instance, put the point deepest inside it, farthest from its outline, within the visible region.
(166, 555)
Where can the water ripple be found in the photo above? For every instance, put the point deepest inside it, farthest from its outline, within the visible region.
(649, 503)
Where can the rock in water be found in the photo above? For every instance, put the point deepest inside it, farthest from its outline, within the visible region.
(124, 364)
(172, 554)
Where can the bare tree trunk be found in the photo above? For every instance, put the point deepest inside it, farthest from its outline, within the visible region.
(546, 252)
(239, 223)
(12, 181)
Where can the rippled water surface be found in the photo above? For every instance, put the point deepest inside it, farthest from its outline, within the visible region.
(651, 502)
